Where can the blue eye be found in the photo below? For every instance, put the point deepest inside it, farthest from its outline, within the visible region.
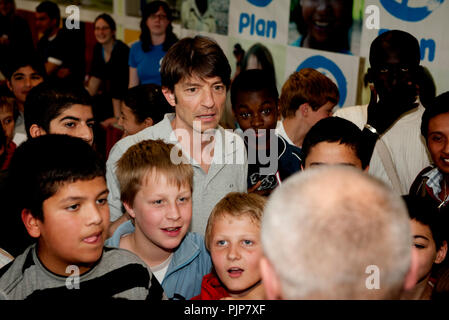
(221, 243)
(248, 242)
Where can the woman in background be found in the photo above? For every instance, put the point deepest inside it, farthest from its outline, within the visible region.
(156, 38)
(108, 79)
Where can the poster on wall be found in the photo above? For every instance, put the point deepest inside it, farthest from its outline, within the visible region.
(425, 19)
(330, 25)
(268, 56)
(260, 20)
(204, 15)
(343, 69)
(99, 5)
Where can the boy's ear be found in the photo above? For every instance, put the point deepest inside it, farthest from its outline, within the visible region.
(31, 223)
(270, 280)
(304, 109)
(129, 210)
(148, 122)
(8, 84)
(441, 254)
(169, 95)
(36, 131)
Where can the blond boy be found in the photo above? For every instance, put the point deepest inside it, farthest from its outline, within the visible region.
(157, 194)
(233, 239)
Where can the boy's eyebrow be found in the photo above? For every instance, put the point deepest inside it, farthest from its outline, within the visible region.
(70, 118)
(75, 119)
(105, 191)
(419, 236)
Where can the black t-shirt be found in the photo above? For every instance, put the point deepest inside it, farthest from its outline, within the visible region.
(114, 73)
(286, 162)
(66, 48)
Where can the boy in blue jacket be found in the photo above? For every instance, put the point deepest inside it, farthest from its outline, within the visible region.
(157, 194)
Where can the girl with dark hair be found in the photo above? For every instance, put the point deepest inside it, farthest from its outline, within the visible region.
(155, 39)
(108, 79)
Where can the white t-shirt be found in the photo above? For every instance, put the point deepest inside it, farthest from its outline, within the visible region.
(281, 132)
(404, 142)
(159, 271)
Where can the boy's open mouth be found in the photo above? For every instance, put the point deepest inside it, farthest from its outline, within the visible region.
(93, 238)
(172, 231)
(235, 272)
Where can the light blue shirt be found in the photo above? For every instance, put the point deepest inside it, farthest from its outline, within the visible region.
(148, 64)
(190, 262)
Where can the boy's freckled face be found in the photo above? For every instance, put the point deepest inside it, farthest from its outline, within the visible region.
(76, 220)
(75, 121)
(162, 212)
(424, 245)
(236, 252)
(438, 141)
(332, 153)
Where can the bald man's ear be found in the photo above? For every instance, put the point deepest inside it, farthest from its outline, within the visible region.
(270, 280)
(412, 275)
(36, 131)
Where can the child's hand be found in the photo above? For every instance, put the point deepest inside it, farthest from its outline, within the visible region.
(264, 193)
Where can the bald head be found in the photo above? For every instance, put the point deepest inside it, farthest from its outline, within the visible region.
(323, 229)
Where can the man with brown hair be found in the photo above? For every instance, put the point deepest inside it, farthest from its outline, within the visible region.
(195, 77)
(307, 97)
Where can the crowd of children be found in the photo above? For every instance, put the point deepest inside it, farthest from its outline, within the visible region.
(179, 208)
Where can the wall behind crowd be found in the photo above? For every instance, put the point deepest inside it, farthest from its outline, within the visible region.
(283, 26)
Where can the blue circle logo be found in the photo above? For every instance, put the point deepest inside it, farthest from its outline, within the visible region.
(320, 62)
(402, 11)
(260, 3)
